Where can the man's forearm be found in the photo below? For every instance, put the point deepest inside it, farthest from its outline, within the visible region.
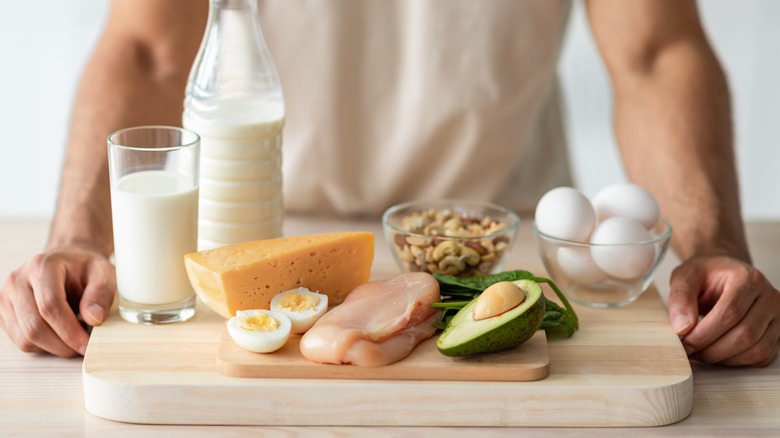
(674, 129)
(672, 118)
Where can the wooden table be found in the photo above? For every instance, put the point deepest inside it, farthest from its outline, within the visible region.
(43, 395)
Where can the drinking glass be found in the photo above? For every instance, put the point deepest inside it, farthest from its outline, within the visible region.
(154, 204)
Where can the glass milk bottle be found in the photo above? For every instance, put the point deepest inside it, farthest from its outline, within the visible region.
(234, 102)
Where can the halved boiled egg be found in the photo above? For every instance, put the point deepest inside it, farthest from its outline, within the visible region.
(302, 306)
(259, 331)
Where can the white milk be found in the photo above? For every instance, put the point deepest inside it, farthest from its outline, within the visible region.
(155, 223)
(241, 177)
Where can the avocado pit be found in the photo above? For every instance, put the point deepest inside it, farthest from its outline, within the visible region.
(497, 299)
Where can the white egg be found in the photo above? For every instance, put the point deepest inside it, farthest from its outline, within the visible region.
(302, 306)
(626, 200)
(259, 331)
(622, 261)
(565, 213)
(578, 265)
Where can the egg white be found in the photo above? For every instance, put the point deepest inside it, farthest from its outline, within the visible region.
(258, 341)
(301, 320)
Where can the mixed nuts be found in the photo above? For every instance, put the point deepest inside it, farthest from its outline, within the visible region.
(446, 242)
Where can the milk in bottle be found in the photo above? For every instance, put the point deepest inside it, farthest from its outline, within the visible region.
(234, 102)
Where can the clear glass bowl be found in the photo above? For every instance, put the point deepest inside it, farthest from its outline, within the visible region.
(573, 268)
(461, 238)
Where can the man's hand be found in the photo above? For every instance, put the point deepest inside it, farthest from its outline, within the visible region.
(740, 310)
(38, 301)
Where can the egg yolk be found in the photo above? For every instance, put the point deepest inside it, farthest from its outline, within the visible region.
(297, 302)
(259, 323)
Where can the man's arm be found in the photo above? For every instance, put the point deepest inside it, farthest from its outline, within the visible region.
(673, 119)
(136, 76)
(673, 126)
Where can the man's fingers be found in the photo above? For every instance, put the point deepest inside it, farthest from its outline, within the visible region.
(740, 338)
(98, 294)
(20, 315)
(736, 299)
(34, 329)
(8, 319)
(52, 316)
(762, 353)
(21, 342)
(761, 324)
(684, 287)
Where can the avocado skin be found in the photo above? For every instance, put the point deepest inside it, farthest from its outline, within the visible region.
(508, 334)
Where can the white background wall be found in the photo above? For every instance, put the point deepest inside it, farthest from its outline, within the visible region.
(43, 45)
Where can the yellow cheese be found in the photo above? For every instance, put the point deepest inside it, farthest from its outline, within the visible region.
(247, 275)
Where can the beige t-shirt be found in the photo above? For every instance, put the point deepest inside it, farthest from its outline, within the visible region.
(389, 101)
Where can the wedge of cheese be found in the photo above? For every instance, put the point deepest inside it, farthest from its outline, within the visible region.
(247, 275)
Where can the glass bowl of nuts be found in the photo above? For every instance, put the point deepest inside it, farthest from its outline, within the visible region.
(460, 238)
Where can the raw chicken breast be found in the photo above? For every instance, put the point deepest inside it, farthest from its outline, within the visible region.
(379, 323)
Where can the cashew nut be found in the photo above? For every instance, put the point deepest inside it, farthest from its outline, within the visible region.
(445, 248)
(451, 265)
(406, 254)
(485, 266)
(470, 256)
(418, 253)
(417, 241)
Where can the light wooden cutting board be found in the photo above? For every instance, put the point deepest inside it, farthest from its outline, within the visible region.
(624, 367)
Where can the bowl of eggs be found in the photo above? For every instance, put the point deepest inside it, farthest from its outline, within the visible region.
(602, 253)
(454, 237)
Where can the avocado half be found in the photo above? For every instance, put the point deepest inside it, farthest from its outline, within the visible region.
(465, 337)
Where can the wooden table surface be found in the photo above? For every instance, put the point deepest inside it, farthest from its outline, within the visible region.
(43, 395)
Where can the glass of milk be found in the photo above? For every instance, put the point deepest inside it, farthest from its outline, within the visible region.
(154, 173)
